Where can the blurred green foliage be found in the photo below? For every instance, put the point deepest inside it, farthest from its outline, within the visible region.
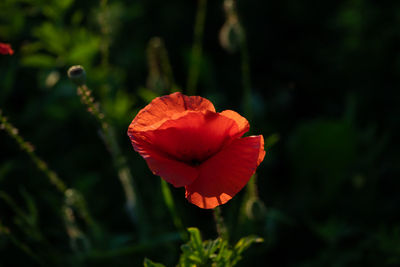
(216, 253)
(324, 93)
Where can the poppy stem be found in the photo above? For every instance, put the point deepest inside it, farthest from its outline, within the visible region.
(197, 48)
(220, 224)
(247, 91)
(169, 202)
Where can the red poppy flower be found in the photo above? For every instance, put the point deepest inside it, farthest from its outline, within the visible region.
(6, 49)
(186, 142)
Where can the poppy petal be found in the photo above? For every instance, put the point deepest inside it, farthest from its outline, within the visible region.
(243, 124)
(168, 107)
(225, 174)
(188, 140)
(174, 172)
(6, 49)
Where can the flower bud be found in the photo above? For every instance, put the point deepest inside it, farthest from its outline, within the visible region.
(231, 35)
(255, 209)
(77, 74)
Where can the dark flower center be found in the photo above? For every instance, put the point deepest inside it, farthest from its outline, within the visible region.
(195, 162)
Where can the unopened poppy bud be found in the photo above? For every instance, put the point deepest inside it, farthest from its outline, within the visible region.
(229, 6)
(77, 74)
(255, 209)
(156, 42)
(231, 35)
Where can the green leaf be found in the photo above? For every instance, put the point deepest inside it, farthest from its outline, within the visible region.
(245, 242)
(271, 140)
(196, 240)
(149, 263)
(169, 201)
(222, 251)
(146, 94)
(212, 246)
(39, 60)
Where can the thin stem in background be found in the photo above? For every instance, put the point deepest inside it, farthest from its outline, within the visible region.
(29, 149)
(169, 201)
(246, 77)
(160, 78)
(6, 232)
(135, 211)
(247, 98)
(197, 48)
(105, 33)
(220, 224)
(233, 36)
(72, 196)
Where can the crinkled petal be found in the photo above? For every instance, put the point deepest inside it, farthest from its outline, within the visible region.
(225, 174)
(187, 141)
(174, 172)
(168, 107)
(194, 137)
(242, 123)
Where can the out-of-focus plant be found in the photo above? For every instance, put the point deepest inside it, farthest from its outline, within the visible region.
(75, 204)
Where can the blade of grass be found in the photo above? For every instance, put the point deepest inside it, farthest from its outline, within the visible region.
(135, 211)
(197, 48)
(52, 176)
(169, 201)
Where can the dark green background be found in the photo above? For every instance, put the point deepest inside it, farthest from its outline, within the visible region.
(324, 79)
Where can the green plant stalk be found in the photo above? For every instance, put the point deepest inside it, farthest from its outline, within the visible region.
(52, 176)
(220, 224)
(28, 148)
(159, 65)
(135, 212)
(248, 110)
(105, 34)
(166, 67)
(246, 76)
(5, 231)
(169, 201)
(197, 48)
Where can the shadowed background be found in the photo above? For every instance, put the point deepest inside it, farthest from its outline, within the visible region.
(324, 90)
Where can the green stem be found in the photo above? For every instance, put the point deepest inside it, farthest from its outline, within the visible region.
(169, 201)
(197, 47)
(105, 33)
(220, 224)
(6, 232)
(134, 209)
(246, 76)
(52, 176)
(160, 70)
(28, 148)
